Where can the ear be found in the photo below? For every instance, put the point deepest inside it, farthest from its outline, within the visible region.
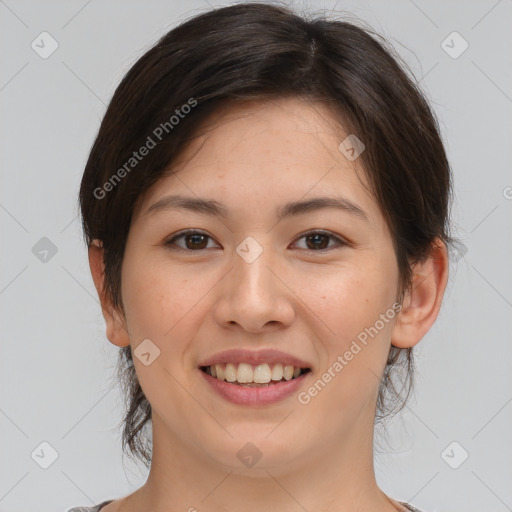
(116, 323)
(422, 302)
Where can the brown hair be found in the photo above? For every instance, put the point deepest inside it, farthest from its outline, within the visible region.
(256, 51)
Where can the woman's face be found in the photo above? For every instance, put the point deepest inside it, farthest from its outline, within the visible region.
(312, 286)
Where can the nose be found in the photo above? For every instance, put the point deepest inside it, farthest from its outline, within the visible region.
(255, 295)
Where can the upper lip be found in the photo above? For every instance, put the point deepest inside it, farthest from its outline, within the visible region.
(271, 356)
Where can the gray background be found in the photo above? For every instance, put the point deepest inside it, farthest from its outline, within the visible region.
(56, 363)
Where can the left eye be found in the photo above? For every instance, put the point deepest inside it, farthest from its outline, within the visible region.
(196, 240)
(317, 238)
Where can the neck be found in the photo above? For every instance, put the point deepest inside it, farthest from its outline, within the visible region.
(333, 478)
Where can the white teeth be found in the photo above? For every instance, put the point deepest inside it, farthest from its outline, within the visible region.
(277, 372)
(219, 371)
(288, 372)
(248, 374)
(230, 372)
(244, 373)
(262, 373)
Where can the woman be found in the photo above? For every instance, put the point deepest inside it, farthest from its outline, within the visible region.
(266, 210)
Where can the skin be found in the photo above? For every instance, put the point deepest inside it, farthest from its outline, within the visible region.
(191, 305)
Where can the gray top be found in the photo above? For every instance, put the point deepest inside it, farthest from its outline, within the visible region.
(97, 508)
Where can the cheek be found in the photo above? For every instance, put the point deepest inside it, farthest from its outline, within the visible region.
(356, 307)
(350, 300)
(156, 298)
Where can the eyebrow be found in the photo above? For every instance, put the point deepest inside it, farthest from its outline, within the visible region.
(294, 208)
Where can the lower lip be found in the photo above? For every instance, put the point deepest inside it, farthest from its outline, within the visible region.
(242, 395)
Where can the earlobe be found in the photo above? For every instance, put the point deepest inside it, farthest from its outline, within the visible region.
(115, 322)
(422, 302)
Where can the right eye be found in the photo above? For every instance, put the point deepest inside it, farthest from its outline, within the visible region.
(194, 241)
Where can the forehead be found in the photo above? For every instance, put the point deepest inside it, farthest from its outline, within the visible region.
(265, 153)
(284, 130)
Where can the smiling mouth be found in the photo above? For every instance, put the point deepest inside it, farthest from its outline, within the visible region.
(247, 375)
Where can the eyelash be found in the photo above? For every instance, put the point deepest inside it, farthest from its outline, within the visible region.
(172, 245)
